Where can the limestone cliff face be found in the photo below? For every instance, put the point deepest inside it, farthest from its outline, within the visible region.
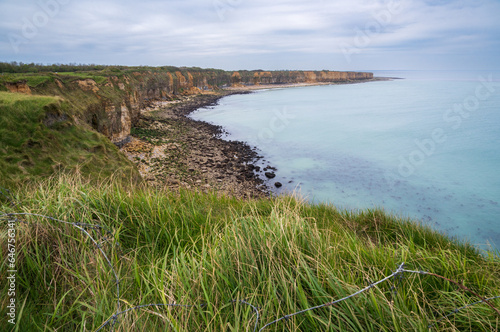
(310, 77)
(117, 121)
(263, 77)
(120, 100)
(112, 103)
(290, 77)
(236, 80)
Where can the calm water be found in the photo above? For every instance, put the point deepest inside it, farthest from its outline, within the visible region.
(426, 147)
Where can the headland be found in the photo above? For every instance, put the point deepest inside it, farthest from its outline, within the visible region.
(144, 112)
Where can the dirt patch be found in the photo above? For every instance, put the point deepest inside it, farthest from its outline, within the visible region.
(18, 87)
(88, 85)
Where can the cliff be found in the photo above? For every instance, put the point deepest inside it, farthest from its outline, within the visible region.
(110, 100)
(292, 77)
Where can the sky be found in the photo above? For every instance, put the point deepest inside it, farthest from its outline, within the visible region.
(255, 34)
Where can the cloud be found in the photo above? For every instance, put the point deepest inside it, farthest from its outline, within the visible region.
(193, 32)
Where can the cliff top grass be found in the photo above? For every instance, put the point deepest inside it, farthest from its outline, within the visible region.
(39, 136)
(39, 79)
(210, 252)
(38, 75)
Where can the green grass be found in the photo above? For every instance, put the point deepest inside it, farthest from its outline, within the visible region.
(33, 80)
(280, 254)
(37, 80)
(38, 136)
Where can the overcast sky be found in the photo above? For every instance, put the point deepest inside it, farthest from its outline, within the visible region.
(255, 34)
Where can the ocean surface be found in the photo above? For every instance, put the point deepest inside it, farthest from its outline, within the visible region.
(426, 146)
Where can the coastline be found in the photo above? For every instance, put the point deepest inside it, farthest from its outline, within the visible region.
(173, 151)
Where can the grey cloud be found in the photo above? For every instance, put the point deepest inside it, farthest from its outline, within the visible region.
(251, 32)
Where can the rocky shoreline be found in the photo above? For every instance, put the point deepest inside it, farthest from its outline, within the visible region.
(173, 151)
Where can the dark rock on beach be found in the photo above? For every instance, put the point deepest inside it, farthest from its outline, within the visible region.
(270, 175)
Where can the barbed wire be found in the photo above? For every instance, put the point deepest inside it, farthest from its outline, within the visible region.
(81, 227)
(6, 193)
(287, 317)
(115, 316)
(459, 285)
(397, 275)
(461, 308)
(399, 270)
(256, 309)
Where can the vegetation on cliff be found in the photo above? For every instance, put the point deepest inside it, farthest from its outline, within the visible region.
(39, 136)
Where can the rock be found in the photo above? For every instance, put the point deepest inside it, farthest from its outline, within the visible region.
(278, 184)
(270, 175)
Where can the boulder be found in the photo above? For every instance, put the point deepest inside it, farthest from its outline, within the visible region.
(270, 175)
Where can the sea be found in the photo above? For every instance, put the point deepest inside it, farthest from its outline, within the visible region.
(424, 146)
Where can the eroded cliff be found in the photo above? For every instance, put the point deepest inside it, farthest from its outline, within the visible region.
(110, 101)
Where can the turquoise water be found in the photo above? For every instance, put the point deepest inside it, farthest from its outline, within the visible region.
(426, 147)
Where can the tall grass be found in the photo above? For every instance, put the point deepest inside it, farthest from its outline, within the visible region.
(280, 254)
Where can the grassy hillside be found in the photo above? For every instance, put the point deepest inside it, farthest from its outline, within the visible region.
(280, 255)
(39, 136)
